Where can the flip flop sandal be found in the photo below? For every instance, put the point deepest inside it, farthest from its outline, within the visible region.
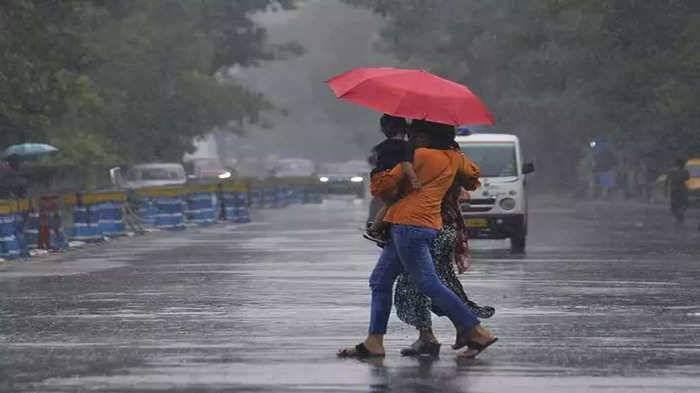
(475, 346)
(430, 349)
(360, 352)
(372, 237)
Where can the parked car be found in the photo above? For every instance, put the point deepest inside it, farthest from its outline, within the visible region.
(497, 209)
(349, 177)
(148, 175)
(293, 167)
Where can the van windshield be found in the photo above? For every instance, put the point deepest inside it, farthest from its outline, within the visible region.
(494, 159)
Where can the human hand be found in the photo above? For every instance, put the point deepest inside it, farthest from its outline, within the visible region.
(415, 183)
(463, 263)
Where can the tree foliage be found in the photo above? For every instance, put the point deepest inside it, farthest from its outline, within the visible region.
(112, 81)
(561, 72)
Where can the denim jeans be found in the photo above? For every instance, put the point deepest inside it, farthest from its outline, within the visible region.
(409, 251)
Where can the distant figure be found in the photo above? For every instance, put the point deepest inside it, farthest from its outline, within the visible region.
(677, 191)
(12, 184)
(395, 150)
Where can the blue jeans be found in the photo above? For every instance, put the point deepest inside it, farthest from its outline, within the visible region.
(409, 251)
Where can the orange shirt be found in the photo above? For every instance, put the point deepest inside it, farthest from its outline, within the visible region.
(436, 170)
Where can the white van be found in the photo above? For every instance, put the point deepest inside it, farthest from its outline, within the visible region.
(497, 209)
(149, 175)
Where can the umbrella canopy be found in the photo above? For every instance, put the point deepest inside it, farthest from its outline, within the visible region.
(28, 149)
(414, 94)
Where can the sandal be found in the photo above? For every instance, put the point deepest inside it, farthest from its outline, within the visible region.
(464, 338)
(475, 348)
(360, 352)
(374, 237)
(422, 348)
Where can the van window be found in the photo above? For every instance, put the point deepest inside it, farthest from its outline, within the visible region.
(163, 173)
(494, 159)
(694, 170)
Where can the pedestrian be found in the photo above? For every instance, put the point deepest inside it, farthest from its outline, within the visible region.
(12, 184)
(677, 190)
(393, 151)
(415, 220)
(449, 249)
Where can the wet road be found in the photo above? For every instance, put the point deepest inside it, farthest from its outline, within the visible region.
(606, 299)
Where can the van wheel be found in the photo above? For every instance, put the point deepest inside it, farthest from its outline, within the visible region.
(517, 242)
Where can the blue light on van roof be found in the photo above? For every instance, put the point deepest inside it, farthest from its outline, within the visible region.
(463, 130)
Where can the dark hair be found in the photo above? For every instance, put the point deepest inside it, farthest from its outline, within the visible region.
(392, 125)
(680, 162)
(442, 136)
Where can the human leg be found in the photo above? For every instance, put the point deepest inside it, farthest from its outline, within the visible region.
(412, 306)
(381, 282)
(412, 245)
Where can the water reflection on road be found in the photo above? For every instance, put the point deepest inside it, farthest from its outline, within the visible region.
(603, 301)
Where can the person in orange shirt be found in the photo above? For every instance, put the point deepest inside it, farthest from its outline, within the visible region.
(415, 220)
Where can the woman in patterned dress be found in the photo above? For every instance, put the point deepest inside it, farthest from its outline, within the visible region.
(449, 248)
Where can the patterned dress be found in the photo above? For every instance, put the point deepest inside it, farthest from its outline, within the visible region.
(412, 306)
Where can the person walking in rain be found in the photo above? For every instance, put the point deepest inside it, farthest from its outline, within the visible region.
(415, 221)
(677, 191)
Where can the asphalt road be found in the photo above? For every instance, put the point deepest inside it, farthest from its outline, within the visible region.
(606, 299)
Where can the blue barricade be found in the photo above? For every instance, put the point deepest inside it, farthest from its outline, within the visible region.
(242, 212)
(169, 216)
(296, 194)
(228, 210)
(86, 223)
(256, 198)
(31, 229)
(112, 219)
(282, 199)
(147, 211)
(200, 208)
(10, 246)
(269, 197)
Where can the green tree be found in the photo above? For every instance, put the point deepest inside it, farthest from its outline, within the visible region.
(120, 81)
(560, 72)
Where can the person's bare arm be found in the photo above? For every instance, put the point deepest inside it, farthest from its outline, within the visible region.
(407, 170)
(468, 174)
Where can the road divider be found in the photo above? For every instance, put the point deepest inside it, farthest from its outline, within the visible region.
(92, 217)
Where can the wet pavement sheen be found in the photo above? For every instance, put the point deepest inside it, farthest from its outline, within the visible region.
(606, 299)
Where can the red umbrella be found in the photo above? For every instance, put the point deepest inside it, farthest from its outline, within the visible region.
(414, 94)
